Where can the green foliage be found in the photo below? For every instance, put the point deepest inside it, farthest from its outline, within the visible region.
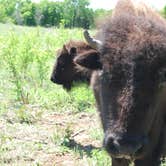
(100, 158)
(27, 56)
(27, 60)
(69, 13)
(18, 53)
(163, 12)
(84, 100)
(77, 13)
(28, 10)
(52, 13)
(7, 9)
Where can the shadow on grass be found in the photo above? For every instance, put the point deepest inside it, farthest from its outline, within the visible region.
(81, 149)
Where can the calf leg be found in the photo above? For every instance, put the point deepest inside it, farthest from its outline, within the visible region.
(120, 162)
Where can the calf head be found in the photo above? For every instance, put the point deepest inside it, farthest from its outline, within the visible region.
(65, 71)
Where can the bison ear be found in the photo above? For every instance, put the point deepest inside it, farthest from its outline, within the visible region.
(64, 50)
(89, 59)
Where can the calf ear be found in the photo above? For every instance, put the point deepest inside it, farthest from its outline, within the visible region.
(89, 59)
(64, 49)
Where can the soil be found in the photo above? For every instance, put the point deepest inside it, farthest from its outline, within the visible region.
(34, 143)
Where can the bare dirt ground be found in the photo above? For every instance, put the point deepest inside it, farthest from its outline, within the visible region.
(44, 140)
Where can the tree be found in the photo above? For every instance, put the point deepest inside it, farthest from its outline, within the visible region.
(7, 9)
(28, 12)
(69, 13)
(77, 13)
(52, 13)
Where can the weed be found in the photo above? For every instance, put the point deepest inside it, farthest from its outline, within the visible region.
(24, 115)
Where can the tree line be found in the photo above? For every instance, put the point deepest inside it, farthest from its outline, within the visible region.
(66, 13)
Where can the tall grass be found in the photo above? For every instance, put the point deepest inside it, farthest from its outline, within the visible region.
(26, 58)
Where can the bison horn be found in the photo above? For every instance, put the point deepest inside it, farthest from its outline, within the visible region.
(92, 42)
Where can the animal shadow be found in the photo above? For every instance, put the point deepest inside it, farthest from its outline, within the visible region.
(81, 149)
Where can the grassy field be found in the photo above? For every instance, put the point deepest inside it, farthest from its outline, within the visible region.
(40, 123)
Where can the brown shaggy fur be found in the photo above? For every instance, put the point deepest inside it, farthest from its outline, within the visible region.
(129, 89)
(132, 26)
(79, 45)
(134, 47)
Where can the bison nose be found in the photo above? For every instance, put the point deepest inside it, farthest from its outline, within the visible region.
(120, 145)
(56, 80)
(52, 79)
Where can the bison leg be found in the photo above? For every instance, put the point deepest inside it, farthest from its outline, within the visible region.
(120, 162)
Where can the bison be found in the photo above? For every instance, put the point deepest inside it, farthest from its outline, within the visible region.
(65, 72)
(130, 86)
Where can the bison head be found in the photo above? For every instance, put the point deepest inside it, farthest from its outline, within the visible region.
(128, 92)
(63, 71)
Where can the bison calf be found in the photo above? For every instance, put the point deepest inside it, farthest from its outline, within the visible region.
(65, 71)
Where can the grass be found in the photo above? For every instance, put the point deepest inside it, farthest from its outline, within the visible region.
(41, 124)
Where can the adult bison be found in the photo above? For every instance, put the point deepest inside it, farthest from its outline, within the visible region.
(65, 72)
(130, 88)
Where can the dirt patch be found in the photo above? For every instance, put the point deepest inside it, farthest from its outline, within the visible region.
(46, 142)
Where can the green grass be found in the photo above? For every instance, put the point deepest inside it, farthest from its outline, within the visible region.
(38, 118)
(41, 124)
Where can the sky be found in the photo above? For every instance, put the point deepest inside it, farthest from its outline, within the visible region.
(110, 4)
